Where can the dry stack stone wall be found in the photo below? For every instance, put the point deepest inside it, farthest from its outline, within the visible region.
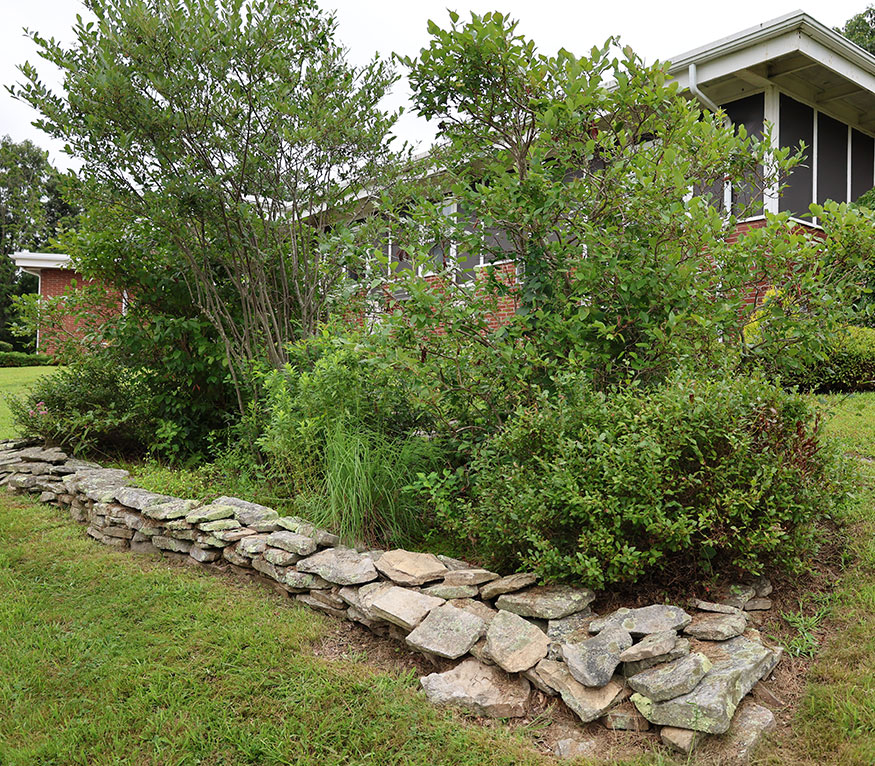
(681, 675)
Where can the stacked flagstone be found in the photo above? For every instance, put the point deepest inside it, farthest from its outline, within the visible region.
(633, 669)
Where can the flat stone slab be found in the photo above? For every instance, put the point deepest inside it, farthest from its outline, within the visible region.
(479, 689)
(407, 568)
(571, 629)
(712, 606)
(367, 594)
(717, 627)
(204, 555)
(219, 525)
(682, 740)
(252, 546)
(139, 499)
(342, 566)
(469, 577)
(673, 679)
(507, 584)
(736, 594)
(292, 542)
(758, 605)
(546, 602)
(171, 510)
(483, 611)
(248, 514)
(171, 544)
(403, 607)
(442, 590)
(281, 558)
(645, 620)
(654, 645)
(750, 724)
(709, 707)
(447, 632)
(587, 703)
(212, 512)
(592, 662)
(680, 649)
(514, 643)
(303, 581)
(302, 527)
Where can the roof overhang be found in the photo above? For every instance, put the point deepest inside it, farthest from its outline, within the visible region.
(33, 263)
(795, 52)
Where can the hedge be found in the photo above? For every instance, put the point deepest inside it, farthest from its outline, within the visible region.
(21, 359)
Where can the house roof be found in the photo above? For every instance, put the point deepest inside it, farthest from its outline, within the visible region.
(795, 52)
(34, 262)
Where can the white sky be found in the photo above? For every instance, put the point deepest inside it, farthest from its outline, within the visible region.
(656, 30)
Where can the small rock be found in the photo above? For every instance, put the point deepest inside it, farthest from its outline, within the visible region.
(303, 581)
(367, 594)
(484, 612)
(447, 632)
(171, 544)
(574, 747)
(479, 689)
(717, 627)
(403, 607)
(763, 587)
(514, 643)
(281, 558)
(668, 681)
(294, 524)
(453, 564)
(442, 590)
(546, 602)
(219, 525)
(342, 566)
(469, 577)
(736, 595)
(248, 514)
(231, 555)
(140, 499)
(625, 718)
(587, 703)
(207, 513)
(478, 651)
(204, 555)
(292, 542)
(681, 649)
(593, 662)
(654, 645)
(173, 509)
(758, 605)
(315, 603)
(252, 546)
(233, 535)
(644, 621)
(711, 606)
(507, 584)
(682, 740)
(750, 724)
(407, 568)
(267, 569)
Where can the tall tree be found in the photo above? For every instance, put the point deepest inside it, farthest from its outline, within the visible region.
(860, 29)
(32, 212)
(236, 127)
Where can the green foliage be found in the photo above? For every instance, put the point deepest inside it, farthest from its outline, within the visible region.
(90, 406)
(240, 134)
(342, 432)
(33, 210)
(610, 487)
(860, 29)
(20, 359)
(849, 364)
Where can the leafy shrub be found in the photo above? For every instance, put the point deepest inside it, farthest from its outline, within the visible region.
(604, 487)
(849, 364)
(21, 359)
(343, 434)
(90, 405)
(5, 346)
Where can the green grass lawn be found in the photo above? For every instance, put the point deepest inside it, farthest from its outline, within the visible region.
(12, 381)
(109, 658)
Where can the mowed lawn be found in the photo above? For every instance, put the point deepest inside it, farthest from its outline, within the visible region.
(112, 658)
(13, 380)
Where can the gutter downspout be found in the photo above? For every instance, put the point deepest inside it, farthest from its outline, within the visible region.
(694, 89)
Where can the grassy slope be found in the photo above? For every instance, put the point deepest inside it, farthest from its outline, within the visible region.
(835, 723)
(14, 380)
(111, 658)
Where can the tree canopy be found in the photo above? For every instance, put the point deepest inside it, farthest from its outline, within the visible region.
(860, 29)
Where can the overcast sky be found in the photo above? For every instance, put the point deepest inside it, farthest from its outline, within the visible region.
(656, 30)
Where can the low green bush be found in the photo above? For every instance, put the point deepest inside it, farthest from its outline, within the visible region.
(22, 359)
(607, 487)
(849, 365)
(92, 405)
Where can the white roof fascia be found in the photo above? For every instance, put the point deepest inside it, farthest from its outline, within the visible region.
(27, 261)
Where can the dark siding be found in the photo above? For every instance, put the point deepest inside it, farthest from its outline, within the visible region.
(862, 160)
(797, 127)
(748, 112)
(832, 159)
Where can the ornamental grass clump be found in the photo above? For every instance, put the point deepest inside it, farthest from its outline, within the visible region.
(609, 487)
